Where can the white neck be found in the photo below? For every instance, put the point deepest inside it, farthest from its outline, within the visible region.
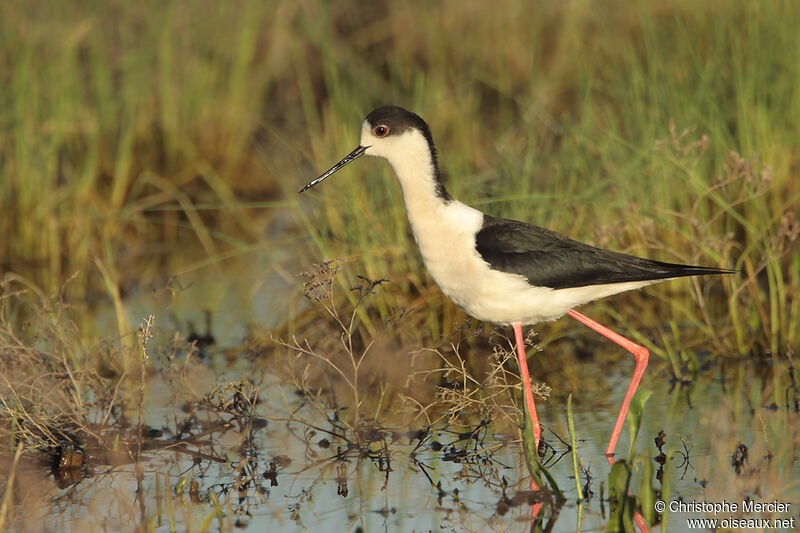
(418, 181)
(416, 173)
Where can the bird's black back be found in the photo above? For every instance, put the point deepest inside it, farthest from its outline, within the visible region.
(549, 259)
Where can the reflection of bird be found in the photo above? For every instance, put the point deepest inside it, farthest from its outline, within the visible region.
(498, 270)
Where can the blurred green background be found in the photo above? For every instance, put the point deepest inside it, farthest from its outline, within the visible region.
(137, 136)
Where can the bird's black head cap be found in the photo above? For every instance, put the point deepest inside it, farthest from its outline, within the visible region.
(399, 120)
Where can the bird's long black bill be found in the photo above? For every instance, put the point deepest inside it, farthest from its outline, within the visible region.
(352, 156)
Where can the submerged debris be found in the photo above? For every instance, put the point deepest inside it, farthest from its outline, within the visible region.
(739, 458)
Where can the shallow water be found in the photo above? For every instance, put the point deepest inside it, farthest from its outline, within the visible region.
(288, 471)
(290, 477)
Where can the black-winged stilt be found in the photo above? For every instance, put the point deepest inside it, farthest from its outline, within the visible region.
(498, 270)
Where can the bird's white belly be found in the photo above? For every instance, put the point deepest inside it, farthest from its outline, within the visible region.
(506, 299)
(488, 294)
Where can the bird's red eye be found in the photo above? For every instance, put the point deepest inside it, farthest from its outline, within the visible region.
(381, 131)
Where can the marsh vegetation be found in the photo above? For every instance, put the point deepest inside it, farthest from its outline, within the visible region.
(164, 367)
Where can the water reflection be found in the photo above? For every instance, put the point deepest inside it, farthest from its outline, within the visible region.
(233, 447)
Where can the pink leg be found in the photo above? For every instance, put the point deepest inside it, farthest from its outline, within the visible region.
(528, 393)
(526, 384)
(641, 355)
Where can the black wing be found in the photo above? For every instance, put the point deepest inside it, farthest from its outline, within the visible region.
(549, 259)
